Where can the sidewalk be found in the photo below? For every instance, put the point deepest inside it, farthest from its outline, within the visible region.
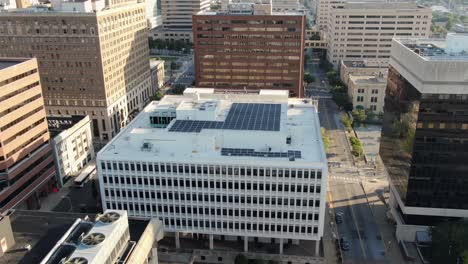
(53, 199)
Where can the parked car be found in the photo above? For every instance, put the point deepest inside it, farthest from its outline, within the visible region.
(345, 244)
(339, 217)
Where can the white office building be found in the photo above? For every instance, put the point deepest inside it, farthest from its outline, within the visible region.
(233, 165)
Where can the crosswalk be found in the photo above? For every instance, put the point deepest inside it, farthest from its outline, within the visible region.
(345, 178)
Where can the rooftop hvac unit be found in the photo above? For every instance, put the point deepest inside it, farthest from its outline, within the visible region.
(93, 239)
(108, 217)
(77, 260)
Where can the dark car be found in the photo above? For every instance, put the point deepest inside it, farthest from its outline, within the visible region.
(344, 243)
(339, 217)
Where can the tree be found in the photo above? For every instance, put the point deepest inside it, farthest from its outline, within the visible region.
(347, 123)
(325, 138)
(241, 259)
(308, 78)
(449, 242)
(157, 96)
(173, 65)
(178, 88)
(356, 146)
(359, 115)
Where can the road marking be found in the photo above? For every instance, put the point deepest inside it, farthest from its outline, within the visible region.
(355, 224)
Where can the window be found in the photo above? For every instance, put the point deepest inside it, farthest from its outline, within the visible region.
(374, 99)
(360, 99)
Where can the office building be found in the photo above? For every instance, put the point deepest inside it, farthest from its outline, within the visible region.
(177, 19)
(361, 67)
(241, 166)
(367, 91)
(424, 143)
(72, 143)
(75, 238)
(154, 13)
(285, 5)
(26, 161)
(93, 58)
(364, 31)
(249, 47)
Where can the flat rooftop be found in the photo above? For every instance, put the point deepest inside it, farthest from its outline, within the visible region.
(6, 63)
(384, 5)
(363, 64)
(205, 126)
(366, 79)
(42, 230)
(58, 124)
(438, 49)
(226, 13)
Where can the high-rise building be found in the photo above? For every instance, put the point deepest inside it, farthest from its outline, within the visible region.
(233, 165)
(365, 30)
(93, 59)
(177, 19)
(424, 143)
(153, 13)
(249, 47)
(26, 160)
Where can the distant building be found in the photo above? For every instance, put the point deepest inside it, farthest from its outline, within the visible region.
(424, 143)
(72, 143)
(367, 92)
(364, 31)
(157, 75)
(153, 13)
(71, 238)
(241, 166)
(99, 65)
(249, 47)
(27, 168)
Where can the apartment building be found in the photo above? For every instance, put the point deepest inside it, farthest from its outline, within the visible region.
(72, 142)
(93, 58)
(249, 47)
(364, 31)
(26, 161)
(241, 166)
(424, 143)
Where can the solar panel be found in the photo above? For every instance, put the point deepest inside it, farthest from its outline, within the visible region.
(267, 154)
(241, 116)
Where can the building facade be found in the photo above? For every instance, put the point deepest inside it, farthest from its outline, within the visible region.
(26, 161)
(200, 165)
(364, 31)
(253, 50)
(424, 143)
(72, 142)
(361, 67)
(157, 75)
(93, 61)
(367, 91)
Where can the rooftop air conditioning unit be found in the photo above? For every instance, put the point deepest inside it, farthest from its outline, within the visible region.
(93, 239)
(77, 260)
(108, 217)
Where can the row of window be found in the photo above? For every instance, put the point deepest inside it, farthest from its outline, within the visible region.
(211, 169)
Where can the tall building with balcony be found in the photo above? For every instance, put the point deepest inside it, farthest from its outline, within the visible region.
(93, 58)
(27, 167)
(364, 30)
(240, 166)
(249, 47)
(424, 143)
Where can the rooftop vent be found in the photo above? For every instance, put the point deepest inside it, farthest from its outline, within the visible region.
(146, 146)
(93, 239)
(292, 158)
(77, 260)
(288, 140)
(109, 217)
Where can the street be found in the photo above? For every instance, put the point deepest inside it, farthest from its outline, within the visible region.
(346, 194)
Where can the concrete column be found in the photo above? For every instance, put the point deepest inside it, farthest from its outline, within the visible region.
(211, 241)
(317, 248)
(281, 246)
(177, 240)
(246, 244)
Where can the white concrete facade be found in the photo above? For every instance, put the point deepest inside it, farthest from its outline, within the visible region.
(73, 147)
(183, 178)
(367, 91)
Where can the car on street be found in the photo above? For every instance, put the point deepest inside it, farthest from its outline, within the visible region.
(339, 217)
(344, 243)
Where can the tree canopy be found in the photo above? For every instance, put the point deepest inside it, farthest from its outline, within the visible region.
(449, 243)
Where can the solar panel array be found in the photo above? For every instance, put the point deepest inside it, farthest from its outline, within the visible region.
(252, 153)
(241, 116)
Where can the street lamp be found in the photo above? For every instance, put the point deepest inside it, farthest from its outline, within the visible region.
(69, 201)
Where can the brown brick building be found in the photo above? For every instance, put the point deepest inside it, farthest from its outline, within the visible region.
(259, 49)
(26, 161)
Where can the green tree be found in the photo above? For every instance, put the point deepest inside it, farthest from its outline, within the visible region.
(325, 138)
(347, 122)
(359, 115)
(241, 259)
(308, 78)
(449, 242)
(157, 96)
(178, 89)
(356, 147)
(173, 65)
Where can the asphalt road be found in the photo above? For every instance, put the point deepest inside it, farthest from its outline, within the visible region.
(358, 225)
